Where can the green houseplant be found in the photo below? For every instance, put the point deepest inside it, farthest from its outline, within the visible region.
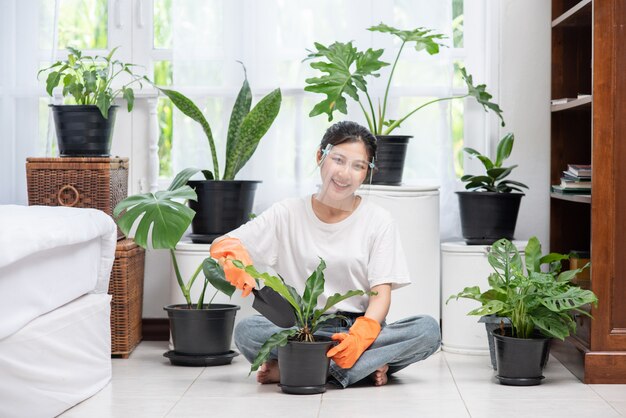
(490, 207)
(226, 196)
(202, 332)
(347, 71)
(299, 345)
(540, 304)
(88, 82)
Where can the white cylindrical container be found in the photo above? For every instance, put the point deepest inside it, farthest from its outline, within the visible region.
(416, 211)
(464, 266)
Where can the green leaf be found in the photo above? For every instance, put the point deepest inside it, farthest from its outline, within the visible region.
(52, 81)
(129, 96)
(313, 288)
(337, 60)
(90, 77)
(274, 283)
(422, 37)
(490, 308)
(189, 108)
(505, 146)
(335, 299)
(240, 110)
(319, 323)
(158, 214)
(253, 127)
(280, 339)
(533, 255)
(214, 274)
(103, 101)
(481, 95)
(182, 178)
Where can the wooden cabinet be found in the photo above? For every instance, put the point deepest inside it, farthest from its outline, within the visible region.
(589, 57)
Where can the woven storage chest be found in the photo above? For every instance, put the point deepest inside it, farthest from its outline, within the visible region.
(126, 287)
(99, 183)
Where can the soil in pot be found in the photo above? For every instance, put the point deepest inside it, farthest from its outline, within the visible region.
(202, 332)
(520, 361)
(304, 366)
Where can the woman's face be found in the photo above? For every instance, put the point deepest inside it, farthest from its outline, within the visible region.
(343, 169)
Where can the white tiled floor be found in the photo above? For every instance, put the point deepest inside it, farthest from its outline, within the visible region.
(444, 385)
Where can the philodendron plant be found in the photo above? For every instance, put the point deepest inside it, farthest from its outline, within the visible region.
(246, 127)
(89, 80)
(494, 179)
(309, 318)
(347, 69)
(532, 298)
(162, 218)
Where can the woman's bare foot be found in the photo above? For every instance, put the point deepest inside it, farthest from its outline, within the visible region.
(269, 373)
(379, 377)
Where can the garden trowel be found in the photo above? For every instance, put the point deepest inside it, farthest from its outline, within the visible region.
(274, 307)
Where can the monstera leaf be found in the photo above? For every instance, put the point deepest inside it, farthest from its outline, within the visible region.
(422, 37)
(159, 216)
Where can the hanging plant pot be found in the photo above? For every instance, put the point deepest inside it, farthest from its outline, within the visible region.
(82, 131)
(304, 366)
(390, 156)
(488, 216)
(520, 361)
(202, 332)
(221, 207)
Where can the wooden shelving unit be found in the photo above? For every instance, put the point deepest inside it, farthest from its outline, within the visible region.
(589, 57)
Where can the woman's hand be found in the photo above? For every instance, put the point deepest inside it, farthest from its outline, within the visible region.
(226, 250)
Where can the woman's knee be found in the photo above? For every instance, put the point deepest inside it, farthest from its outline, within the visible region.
(248, 329)
(429, 332)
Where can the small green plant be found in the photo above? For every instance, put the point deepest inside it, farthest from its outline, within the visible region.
(348, 69)
(245, 130)
(309, 318)
(162, 218)
(494, 179)
(531, 298)
(89, 80)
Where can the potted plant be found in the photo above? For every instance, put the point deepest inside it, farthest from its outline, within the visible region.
(301, 354)
(489, 209)
(201, 332)
(539, 304)
(224, 204)
(347, 70)
(84, 129)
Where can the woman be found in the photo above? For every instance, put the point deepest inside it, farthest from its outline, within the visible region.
(361, 246)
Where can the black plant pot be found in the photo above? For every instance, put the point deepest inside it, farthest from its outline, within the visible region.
(82, 131)
(390, 156)
(520, 360)
(492, 323)
(202, 332)
(487, 216)
(304, 367)
(221, 207)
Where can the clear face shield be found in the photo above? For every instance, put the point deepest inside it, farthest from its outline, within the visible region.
(343, 169)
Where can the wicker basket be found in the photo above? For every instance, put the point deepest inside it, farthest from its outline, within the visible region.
(99, 183)
(126, 287)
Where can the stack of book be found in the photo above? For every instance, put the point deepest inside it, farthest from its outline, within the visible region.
(575, 180)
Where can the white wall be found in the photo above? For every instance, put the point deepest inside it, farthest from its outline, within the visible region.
(524, 94)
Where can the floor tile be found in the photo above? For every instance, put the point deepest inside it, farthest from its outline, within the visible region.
(333, 408)
(237, 406)
(513, 408)
(610, 392)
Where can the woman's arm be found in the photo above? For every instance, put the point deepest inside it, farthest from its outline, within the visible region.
(379, 304)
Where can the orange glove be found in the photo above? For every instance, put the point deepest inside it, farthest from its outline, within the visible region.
(224, 252)
(361, 335)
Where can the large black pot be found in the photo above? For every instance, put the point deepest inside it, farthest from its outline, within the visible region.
(202, 332)
(221, 207)
(390, 156)
(487, 216)
(304, 366)
(82, 131)
(520, 361)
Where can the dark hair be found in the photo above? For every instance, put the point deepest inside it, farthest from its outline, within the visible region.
(348, 131)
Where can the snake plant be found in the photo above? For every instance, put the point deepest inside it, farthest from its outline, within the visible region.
(246, 127)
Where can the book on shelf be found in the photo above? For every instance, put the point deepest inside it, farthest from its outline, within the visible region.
(569, 184)
(562, 100)
(579, 170)
(570, 177)
(582, 96)
(557, 188)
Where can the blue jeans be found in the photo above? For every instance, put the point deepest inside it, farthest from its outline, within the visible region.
(399, 344)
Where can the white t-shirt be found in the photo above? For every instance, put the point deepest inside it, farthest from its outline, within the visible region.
(361, 251)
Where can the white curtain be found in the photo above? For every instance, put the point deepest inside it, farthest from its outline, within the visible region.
(271, 38)
(20, 33)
